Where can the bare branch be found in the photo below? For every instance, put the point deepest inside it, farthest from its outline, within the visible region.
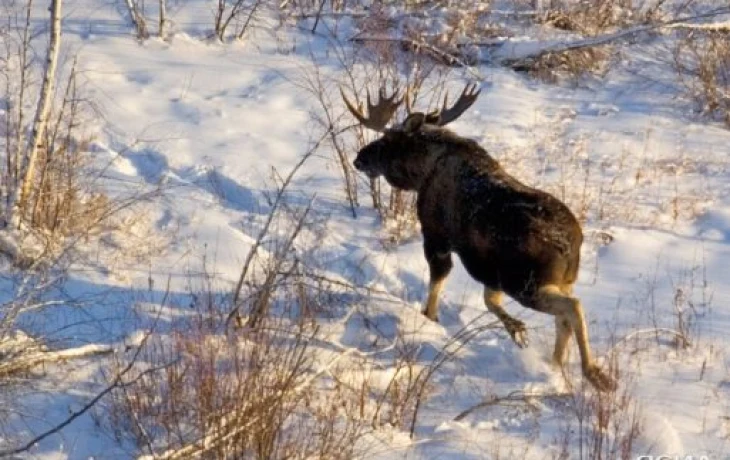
(265, 230)
(231, 427)
(85, 408)
(515, 396)
(713, 27)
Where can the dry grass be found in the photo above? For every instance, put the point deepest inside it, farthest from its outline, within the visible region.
(606, 426)
(589, 19)
(571, 64)
(250, 393)
(702, 64)
(264, 391)
(600, 16)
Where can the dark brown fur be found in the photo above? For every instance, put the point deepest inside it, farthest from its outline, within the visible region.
(510, 237)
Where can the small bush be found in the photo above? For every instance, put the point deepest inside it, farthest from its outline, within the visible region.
(265, 389)
(249, 394)
(590, 18)
(603, 425)
(571, 64)
(702, 64)
(262, 391)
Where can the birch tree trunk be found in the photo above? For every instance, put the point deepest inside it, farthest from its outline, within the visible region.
(15, 159)
(218, 19)
(42, 112)
(163, 18)
(140, 25)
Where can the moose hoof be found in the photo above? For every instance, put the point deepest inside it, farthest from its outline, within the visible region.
(599, 379)
(517, 331)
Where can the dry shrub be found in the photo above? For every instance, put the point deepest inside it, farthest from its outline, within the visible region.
(314, 8)
(261, 390)
(66, 196)
(702, 63)
(400, 216)
(441, 38)
(241, 14)
(281, 389)
(609, 425)
(589, 18)
(64, 200)
(314, 82)
(396, 403)
(602, 425)
(676, 314)
(252, 393)
(595, 17)
(571, 64)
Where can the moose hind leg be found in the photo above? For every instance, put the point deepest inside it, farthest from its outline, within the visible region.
(555, 302)
(515, 327)
(563, 333)
(439, 264)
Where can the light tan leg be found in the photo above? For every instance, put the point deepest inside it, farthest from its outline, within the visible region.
(554, 301)
(515, 327)
(563, 333)
(438, 256)
(432, 302)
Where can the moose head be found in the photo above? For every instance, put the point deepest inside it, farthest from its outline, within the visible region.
(402, 151)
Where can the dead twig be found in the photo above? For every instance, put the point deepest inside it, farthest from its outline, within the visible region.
(232, 427)
(445, 57)
(515, 396)
(265, 230)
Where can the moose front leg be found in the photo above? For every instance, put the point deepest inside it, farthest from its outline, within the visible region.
(439, 264)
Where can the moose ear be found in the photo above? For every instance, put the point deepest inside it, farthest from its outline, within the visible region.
(414, 122)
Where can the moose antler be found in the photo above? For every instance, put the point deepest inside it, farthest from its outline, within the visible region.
(378, 114)
(431, 117)
(466, 99)
(444, 116)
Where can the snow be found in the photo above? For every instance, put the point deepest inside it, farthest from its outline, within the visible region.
(209, 121)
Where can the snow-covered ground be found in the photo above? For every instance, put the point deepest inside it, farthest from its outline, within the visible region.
(209, 121)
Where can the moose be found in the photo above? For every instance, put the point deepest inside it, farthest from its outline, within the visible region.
(510, 237)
